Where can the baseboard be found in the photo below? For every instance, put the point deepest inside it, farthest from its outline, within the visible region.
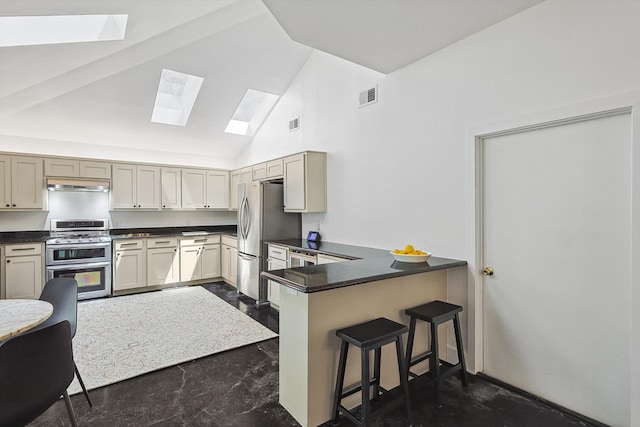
(542, 401)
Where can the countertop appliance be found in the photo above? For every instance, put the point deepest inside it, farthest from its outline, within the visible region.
(81, 249)
(261, 218)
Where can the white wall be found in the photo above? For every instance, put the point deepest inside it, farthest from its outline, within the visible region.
(400, 166)
(73, 205)
(401, 170)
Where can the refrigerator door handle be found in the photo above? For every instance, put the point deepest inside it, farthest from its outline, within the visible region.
(243, 233)
(247, 257)
(246, 216)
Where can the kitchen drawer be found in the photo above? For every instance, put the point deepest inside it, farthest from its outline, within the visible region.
(200, 240)
(127, 244)
(229, 241)
(162, 242)
(278, 252)
(23, 249)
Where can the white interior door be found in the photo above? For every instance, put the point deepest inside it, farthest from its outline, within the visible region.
(557, 232)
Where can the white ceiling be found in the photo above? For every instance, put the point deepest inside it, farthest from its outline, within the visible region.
(386, 35)
(103, 93)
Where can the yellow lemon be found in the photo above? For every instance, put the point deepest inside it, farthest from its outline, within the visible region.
(408, 249)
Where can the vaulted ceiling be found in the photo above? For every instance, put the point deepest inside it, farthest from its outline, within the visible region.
(102, 93)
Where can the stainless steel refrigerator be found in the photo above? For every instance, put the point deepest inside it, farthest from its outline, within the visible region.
(261, 218)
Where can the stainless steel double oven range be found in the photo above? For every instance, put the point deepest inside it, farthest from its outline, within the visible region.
(81, 249)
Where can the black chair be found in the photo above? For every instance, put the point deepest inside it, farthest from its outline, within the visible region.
(435, 313)
(35, 370)
(367, 336)
(62, 293)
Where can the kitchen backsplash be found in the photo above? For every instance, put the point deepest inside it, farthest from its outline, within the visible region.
(67, 205)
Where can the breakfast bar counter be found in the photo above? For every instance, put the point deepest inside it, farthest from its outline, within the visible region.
(364, 265)
(317, 300)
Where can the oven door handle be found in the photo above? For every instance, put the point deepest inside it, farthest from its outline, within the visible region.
(77, 266)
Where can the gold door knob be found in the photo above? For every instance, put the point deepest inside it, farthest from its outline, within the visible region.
(488, 271)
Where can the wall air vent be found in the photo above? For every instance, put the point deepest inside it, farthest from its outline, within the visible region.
(369, 96)
(294, 124)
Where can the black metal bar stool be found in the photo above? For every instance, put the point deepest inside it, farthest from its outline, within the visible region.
(371, 335)
(436, 313)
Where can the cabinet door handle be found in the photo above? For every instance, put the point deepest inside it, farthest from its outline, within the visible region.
(8, 261)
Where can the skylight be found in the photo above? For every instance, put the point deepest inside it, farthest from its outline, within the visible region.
(177, 92)
(37, 30)
(252, 111)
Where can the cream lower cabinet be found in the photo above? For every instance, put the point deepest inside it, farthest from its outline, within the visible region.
(129, 264)
(24, 270)
(277, 260)
(163, 261)
(199, 258)
(229, 259)
(328, 259)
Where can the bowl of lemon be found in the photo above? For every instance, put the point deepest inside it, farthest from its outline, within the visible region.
(410, 254)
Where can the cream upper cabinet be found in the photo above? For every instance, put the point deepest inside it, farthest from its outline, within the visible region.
(99, 170)
(21, 182)
(259, 171)
(135, 186)
(275, 168)
(77, 168)
(129, 270)
(218, 189)
(5, 182)
(163, 261)
(237, 177)
(203, 188)
(171, 188)
(305, 182)
(24, 270)
(61, 167)
(268, 170)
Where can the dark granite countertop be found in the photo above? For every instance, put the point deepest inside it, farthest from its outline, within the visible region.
(9, 237)
(128, 233)
(329, 248)
(372, 265)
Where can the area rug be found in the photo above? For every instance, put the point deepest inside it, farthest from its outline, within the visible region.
(123, 337)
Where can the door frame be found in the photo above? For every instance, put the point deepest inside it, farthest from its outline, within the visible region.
(617, 104)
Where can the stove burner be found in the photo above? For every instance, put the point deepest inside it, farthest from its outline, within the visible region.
(79, 231)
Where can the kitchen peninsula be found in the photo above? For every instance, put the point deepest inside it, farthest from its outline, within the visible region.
(316, 300)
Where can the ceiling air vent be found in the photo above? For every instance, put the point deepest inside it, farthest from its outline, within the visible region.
(294, 124)
(369, 96)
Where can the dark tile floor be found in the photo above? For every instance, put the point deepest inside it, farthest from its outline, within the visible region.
(240, 388)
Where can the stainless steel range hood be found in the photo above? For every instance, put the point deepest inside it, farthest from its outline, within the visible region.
(72, 184)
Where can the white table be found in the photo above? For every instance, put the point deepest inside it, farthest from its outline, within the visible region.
(20, 315)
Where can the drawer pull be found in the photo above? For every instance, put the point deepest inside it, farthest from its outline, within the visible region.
(23, 249)
(164, 241)
(128, 244)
